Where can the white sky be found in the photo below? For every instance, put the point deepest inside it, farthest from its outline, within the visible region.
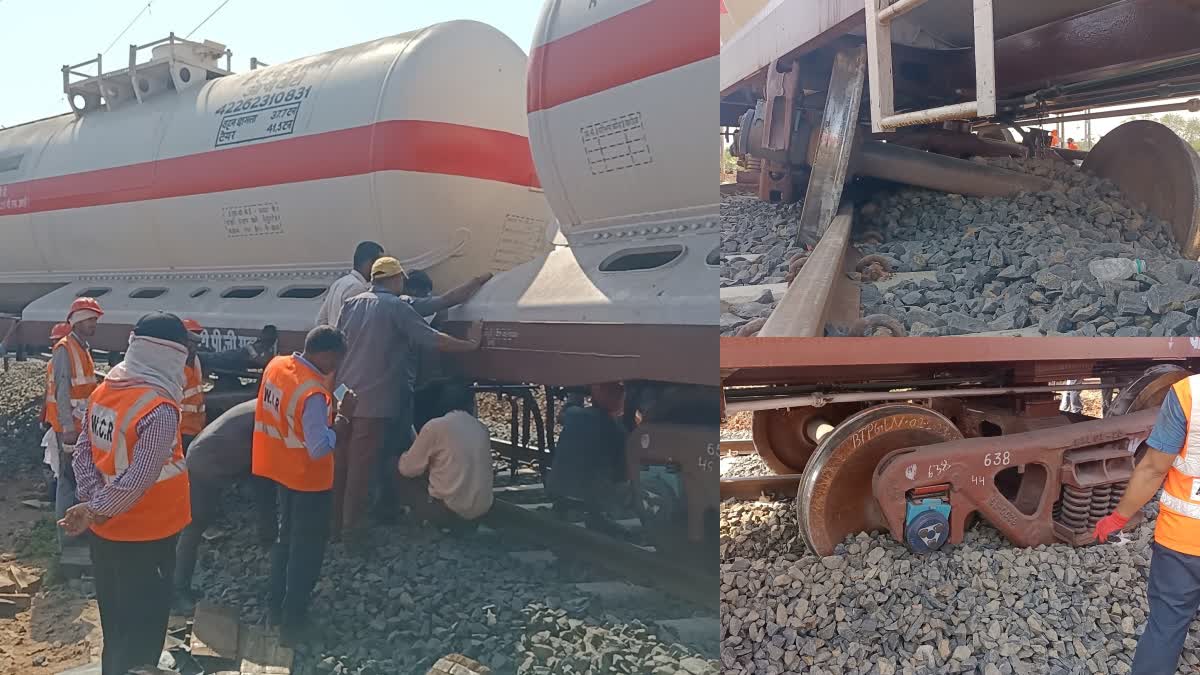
(38, 37)
(1103, 126)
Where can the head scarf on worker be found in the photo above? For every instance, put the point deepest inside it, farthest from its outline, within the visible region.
(155, 358)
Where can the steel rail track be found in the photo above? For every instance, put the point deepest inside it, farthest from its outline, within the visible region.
(754, 487)
(690, 584)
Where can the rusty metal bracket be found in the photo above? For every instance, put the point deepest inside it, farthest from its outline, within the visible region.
(1014, 481)
(775, 179)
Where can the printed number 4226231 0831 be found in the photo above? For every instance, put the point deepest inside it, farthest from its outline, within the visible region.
(265, 101)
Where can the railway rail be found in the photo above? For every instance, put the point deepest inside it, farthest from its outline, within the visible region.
(522, 506)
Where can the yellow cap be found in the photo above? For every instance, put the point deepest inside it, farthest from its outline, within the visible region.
(387, 267)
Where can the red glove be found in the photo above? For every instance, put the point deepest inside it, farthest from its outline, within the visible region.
(1109, 525)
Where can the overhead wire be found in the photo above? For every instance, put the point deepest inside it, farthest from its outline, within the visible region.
(214, 13)
(126, 30)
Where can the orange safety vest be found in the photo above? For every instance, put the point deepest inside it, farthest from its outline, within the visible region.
(279, 451)
(1178, 526)
(192, 406)
(83, 381)
(165, 507)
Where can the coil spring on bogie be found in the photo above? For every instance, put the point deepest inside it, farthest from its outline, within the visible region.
(1118, 491)
(1099, 507)
(1075, 507)
(1080, 509)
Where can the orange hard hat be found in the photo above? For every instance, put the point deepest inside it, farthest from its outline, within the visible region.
(85, 304)
(59, 331)
(192, 325)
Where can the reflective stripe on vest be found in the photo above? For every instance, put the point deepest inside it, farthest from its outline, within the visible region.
(1178, 525)
(192, 406)
(163, 509)
(82, 379)
(123, 454)
(279, 449)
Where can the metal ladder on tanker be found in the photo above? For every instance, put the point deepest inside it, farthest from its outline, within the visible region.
(879, 17)
(822, 210)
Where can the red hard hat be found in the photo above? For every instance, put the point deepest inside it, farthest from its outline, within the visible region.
(192, 325)
(59, 331)
(82, 304)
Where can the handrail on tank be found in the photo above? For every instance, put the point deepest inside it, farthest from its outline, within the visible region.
(98, 89)
(172, 40)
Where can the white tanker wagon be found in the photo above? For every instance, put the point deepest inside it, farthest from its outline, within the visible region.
(236, 199)
(620, 104)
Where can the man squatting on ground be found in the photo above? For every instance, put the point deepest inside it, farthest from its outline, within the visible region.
(446, 476)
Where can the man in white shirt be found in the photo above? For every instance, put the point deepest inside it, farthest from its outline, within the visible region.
(446, 476)
(365, 255)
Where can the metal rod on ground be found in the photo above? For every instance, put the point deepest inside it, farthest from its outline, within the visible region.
(901, 164)
(802, 310)
(817, 400)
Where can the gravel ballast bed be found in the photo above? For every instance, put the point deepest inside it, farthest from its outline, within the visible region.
(874, 608)
(971, 265)
(421, 595)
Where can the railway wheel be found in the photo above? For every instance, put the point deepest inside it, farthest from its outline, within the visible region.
(1151, 164)
(835, 497)
(1147, 391)
(785, 439)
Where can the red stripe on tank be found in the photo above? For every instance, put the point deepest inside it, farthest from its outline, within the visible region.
(653, 38)
(398, 145)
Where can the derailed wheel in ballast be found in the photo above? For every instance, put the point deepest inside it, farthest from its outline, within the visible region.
(835, 498)
(1152, 165)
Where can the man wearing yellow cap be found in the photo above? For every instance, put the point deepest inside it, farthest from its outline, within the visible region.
(381, 328)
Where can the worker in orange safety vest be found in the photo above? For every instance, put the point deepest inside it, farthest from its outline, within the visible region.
(71, 380)
(133, 491)
(194, 414)
(295, 431)
(50, 440)
(1172, 463)
(60, 331)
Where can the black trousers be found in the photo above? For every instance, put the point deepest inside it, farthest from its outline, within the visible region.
(206, 508)
(133, 590)
(299, 550)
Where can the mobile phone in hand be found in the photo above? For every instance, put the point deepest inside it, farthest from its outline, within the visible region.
(340, 392)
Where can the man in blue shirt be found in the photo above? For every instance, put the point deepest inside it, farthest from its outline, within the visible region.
(1173, 584)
